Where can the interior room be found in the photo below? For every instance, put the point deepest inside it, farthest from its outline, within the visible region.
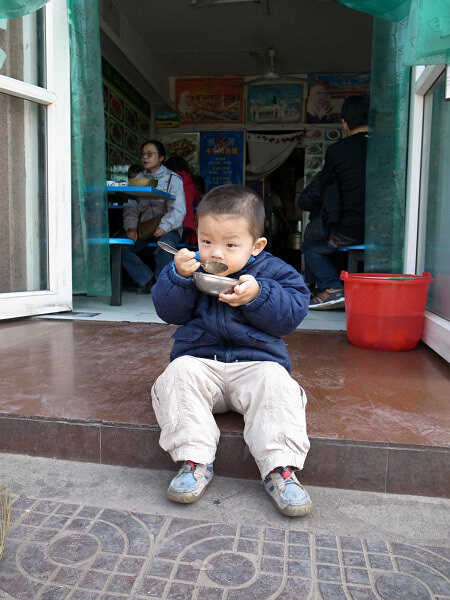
(283, 46)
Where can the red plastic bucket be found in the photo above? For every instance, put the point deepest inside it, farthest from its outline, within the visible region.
(385, 311)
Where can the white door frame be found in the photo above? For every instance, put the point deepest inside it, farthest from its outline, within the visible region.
(436, 333)
(56, 97)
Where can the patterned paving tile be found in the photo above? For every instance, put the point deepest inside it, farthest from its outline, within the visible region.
(59, 551)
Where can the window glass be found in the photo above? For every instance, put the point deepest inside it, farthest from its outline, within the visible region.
(22, 48)
(437, 248)
(23, 196)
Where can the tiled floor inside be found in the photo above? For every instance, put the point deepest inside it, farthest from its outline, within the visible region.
(80, 389)
(140, 309)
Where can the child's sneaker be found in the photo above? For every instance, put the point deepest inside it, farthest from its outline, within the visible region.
(190, 482)
(288, 496)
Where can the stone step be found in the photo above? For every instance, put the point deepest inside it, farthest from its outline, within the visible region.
(81, 391)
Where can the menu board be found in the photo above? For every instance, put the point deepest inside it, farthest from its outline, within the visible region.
(221, 157)
(127, 120)
(317, 140)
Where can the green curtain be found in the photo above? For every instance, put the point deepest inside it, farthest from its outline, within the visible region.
(428, 36)
(393, 10)
(405, 33)
(387, 149)
(428, 33)
(10, 9)
(90, 247)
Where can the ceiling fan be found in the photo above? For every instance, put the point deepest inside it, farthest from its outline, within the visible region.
(272, 75)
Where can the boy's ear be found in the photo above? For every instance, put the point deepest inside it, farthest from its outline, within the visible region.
(259, 246)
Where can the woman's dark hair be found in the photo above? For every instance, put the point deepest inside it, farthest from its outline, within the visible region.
(355, 111)
(236, 201)
(158, 146)
(177, 164)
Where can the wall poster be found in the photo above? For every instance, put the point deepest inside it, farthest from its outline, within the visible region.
(181, 144)
(316, 143)
(275, 103)
(221, 157)
(206, 100)
(166, 117)
(327, 92)
(127, 122)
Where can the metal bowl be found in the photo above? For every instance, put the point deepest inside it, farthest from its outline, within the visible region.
(213, 284)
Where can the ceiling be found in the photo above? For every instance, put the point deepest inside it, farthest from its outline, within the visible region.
(233, 38)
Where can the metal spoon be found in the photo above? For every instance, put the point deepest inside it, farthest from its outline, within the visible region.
(210, 266)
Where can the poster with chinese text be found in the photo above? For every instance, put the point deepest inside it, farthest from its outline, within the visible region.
(221, 157)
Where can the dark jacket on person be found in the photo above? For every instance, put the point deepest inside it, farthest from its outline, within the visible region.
(213, 329)
(345, 162)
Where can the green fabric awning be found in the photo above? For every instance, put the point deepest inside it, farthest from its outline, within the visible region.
(428, 26)
(10, 9)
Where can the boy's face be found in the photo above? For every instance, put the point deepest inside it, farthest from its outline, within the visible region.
(227, 239)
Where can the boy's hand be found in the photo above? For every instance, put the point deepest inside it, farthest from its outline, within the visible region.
(245, 291)
(185, 263)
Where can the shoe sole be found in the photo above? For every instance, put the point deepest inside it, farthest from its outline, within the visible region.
(294, 511)
(186, 497)
(333, 304)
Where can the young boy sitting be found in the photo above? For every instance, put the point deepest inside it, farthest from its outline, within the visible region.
(228, 353)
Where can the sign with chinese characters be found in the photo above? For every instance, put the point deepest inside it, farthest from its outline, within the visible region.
(221, 157)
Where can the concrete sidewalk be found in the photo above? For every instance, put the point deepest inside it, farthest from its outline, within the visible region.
(84, 531)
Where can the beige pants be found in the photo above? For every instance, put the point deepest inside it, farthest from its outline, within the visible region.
(272, 403)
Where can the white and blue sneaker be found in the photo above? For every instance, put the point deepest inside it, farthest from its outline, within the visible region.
(288, 496)
(190, 482)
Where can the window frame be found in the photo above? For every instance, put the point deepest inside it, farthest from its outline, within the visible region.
(56, 98)
(436, 332)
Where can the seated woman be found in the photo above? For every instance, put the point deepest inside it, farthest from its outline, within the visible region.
(172, 213)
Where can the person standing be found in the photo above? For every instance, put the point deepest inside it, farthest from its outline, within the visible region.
(345, 170)
(172, 213)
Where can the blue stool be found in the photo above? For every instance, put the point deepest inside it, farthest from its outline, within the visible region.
(355, 257)
(116, 245)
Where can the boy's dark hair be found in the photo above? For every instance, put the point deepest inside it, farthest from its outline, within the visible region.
(134, 170)
(159, 146)
(355, 111)
(177, 164)
(235, 200)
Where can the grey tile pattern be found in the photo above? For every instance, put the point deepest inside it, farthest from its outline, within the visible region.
(56, 550)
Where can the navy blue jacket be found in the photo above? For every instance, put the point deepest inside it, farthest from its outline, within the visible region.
(212, 329)
(346, 161)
